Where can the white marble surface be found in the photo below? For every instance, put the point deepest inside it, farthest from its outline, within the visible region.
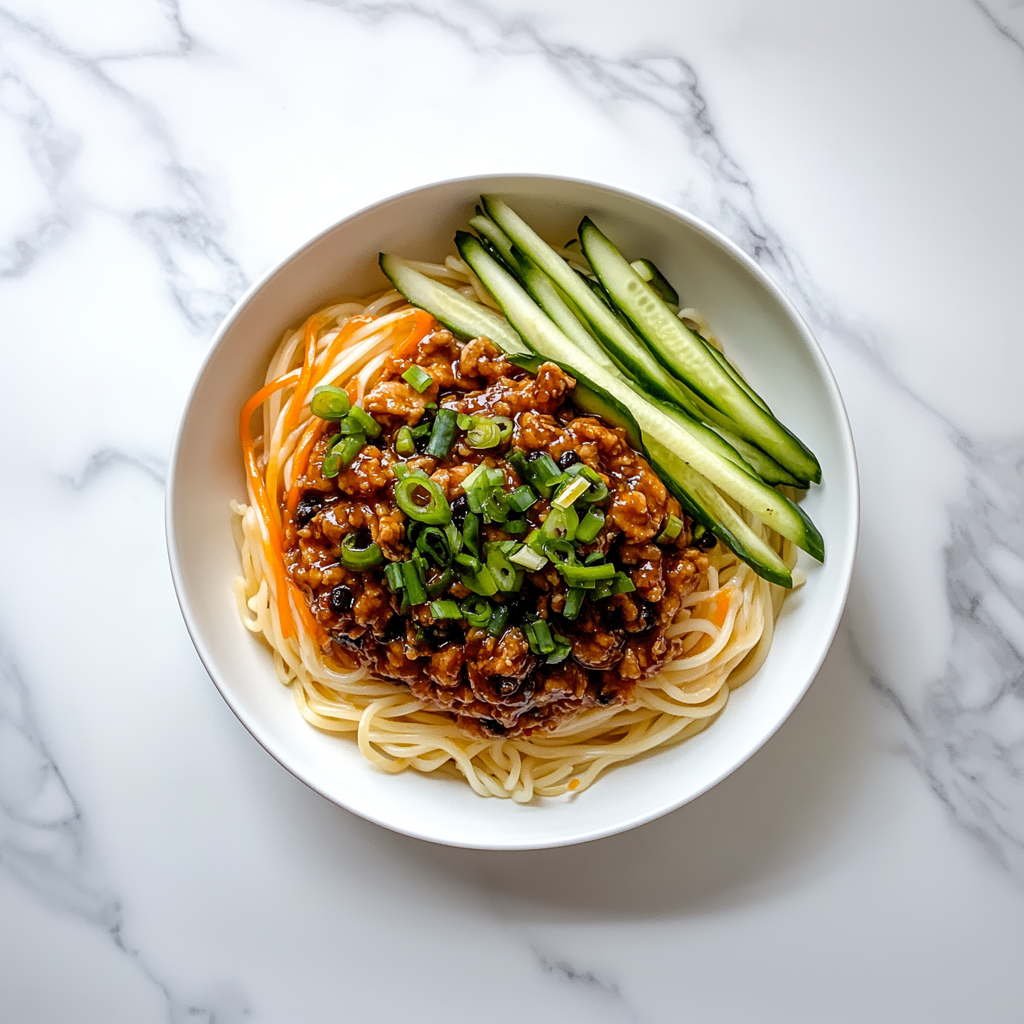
(156, 865)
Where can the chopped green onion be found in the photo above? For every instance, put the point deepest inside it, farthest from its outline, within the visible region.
(594, 558)
(539, 637)
(573, 602)
(405, 444)
(414, 586)
(359, 558)
(522, 498)
(494, 507)
(598, 490)
(506, 575)
(476, 478)
(422, 430)
(561, 552)
(499, 618)
(505, 428)
(477, 611)
(571, 491)
(578, 575)
(329, 402)
(330, 465)
(560, 523)
(369, 426)
(622, 584)
(435, 510)
(563, 648)
(590, 526)
(517, 459)
(434, 542)
(541, 474)
(349, 448)
(468, 563)
(528, 559)
(445, 610)
(393, 574)
(471, 533)
(442, 435)
(484, 432)
(482, 583)
(418, 378)
(673, 527)
(431, 407)
(439, 584)
(401, 471)
(515, 526)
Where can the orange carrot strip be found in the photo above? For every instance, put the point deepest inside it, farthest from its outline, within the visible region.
(718, 617)
(422, 324)
(313, 325)
(301, 461)
(342, 337)
(274, 553)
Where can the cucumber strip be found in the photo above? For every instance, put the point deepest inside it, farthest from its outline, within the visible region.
(618, 340)
(486, 227)
(707, 506)
(463, 318)
(763, 465)
(657, 280)
(723, 361)
(545, 338)
(680, 351)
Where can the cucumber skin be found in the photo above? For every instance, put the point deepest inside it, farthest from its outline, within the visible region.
(802, 531)
(784, 447)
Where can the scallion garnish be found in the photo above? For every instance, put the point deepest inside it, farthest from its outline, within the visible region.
(393, 574)
(405, 444)
(432, 509)
(348, 448)
(522, 498)
(505, 428)
(482, 583)
(528, 559)
(477, 611)
(673, 527)
(445, 610)
(590, 526)
(499, 619)
(515, 526)
(538, 634)
(467, 563)
(358, 556)
(563, 648)
(471, 533)
(414, 585)
(417, 378)
(573, 602)
(571, 491)
(442, 434)
(559, 523)
(581, 575)
(508, 576)
(434, 542)
(366, 423)
(329, 402)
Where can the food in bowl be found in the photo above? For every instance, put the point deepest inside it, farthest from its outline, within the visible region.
(518, 518)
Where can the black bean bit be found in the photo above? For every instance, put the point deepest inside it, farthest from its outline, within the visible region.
(567, 459)
(460, 509)
(706, 541)
(340, 599)
(308, 506)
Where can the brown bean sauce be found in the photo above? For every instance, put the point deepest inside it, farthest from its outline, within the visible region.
(492, 686)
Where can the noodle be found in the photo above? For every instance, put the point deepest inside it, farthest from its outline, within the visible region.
(726, 625)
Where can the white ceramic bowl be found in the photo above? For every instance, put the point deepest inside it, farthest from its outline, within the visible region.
(762, 332)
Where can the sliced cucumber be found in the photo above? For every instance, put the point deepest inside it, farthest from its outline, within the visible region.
(707, 506)
(687, 357)
(723, 361)
(657, 280)
(618, 340)
(545, 338)
(463, 318)
(763, 465)
(486, 228)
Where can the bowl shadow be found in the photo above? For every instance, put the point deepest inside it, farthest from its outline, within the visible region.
(757, 832)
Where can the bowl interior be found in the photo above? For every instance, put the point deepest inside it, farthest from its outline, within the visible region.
(761, 332)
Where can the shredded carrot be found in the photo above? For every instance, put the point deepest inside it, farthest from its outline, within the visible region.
(299, 464)
(422, 324)
(259, 490)
(309, 620)
(573, 784)
(352, 390)
(717, 616)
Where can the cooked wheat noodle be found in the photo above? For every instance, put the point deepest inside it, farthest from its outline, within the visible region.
(394, 730)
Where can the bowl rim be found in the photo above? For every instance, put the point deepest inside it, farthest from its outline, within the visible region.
(845, 568)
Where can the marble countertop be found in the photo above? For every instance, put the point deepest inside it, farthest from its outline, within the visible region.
(156, 865)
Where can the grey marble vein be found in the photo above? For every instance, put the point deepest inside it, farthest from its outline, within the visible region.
(188, 239)
(45, 844)
(608, 992)
(951, 742)
(106, 459)
(967, 736)
(1006, 17)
